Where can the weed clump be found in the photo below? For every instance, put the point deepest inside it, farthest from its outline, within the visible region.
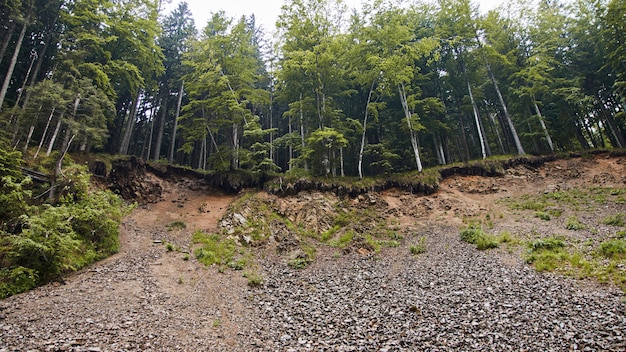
(419, 247)
(543, 215)
(613, 249)
(615, 219)
(475, 235)
(176, 225)
(572, 223)
(546, 254)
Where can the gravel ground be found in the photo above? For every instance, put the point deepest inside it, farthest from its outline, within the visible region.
(451, 298)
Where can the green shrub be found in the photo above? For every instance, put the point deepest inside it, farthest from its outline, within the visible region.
(615, 219)
(572, 223)
(343, 240)
(419, 247)
(543, 215)
(254, 279)
(17, 280)
(176, 225)
(475, 235)
(214, 249)
(547, 254)
(613, 249)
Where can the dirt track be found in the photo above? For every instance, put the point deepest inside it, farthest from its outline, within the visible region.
(451, 298)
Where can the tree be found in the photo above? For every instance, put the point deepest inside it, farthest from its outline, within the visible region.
(321, 150)
(223, 82)
(178, 32)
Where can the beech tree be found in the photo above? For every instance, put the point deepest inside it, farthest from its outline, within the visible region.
(224, 72)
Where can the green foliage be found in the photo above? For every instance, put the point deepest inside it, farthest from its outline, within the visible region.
(176, 225)
(572, 223)
(613, 249)
(543, 215)
(322, 150)
(419, 247)
(40, 243)
(214, 249)
(615, 219)
(547, 254)
(475, 235)
(343, 240)
(17, 280)
(254, 279)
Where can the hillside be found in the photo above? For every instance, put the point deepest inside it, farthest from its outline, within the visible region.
(381, 271)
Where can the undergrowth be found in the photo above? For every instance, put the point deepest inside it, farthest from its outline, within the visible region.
(43, 241)
(475, 235)
(605, 263)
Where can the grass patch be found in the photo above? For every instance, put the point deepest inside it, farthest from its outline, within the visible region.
(547, 254)
(214, 249)
(527, 202)
(419, 247)
(343, 240)
(615, 219)
(572, 223)
(303, 259)
(254, 279)
(176, 225)
(475, 235)
(543, 215)
(604, 263)
(613, 249)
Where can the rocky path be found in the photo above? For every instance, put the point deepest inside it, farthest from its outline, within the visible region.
(451, 298)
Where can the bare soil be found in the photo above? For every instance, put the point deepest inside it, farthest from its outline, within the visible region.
(149, 298)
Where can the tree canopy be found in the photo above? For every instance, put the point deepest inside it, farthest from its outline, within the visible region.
(389, 87)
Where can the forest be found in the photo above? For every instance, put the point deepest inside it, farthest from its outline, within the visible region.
(330, 91)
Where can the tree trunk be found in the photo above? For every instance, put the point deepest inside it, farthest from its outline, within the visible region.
(465, 152)
(129, 125)
(290, 147)
(272, 124)
(52, 194)
(173, 141)
(40, 59)
(367, 105)
(617, 135)
(7, 78)
(55, 135)
(235, 160)
(509, 121)
(477, 118)
(306, 165)
(68, 131)
(45, 131)
(7, 40)
(496, 129)
(579, 135)
(543, 126)
(157, 146)
(341, 159)
(413, 134)
(151, 134)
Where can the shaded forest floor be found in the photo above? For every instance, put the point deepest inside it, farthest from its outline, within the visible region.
(353, 294)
